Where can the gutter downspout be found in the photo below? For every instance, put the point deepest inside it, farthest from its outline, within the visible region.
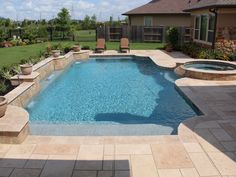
(215, 26)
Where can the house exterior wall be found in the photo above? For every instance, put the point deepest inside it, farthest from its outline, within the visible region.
(225, 29)
(162, 20)
(226, 20)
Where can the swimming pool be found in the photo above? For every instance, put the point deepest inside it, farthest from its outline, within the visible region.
(115, 96)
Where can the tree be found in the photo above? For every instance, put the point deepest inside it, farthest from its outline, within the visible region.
(111, 21)
(86, 22)
(43, 22)
(64, 20)
(93, 22)
(126, 20)
(7, 22)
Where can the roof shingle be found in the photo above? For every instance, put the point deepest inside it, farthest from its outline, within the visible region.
(162, 7)
(211, 3)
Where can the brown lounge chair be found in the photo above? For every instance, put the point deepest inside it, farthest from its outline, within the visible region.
(101, 45)
(124, 45)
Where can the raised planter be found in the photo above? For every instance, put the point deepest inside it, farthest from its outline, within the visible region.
(56, 53)
(3, 106)
(76, 48)
(26, 69)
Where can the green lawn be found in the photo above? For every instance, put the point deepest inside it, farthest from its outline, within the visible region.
(85, 35)
(13, 55)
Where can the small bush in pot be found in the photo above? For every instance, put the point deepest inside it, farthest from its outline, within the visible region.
(76, 48)
(26, 67)
(56, 53)
(169, 48)
(3, 106)
(56, 50)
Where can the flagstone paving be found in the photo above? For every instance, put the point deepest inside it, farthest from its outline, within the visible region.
(204, 147)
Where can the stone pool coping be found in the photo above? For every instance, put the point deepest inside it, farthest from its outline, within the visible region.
(206, 75)
(205, 145)
(12, 131)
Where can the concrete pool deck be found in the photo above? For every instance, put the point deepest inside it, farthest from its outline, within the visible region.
(204, 147)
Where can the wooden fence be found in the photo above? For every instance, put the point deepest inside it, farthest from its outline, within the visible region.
(141, 34)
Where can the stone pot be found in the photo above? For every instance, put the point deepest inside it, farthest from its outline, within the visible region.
(169, 48)
(3, 106)
(26, 69)
(56, 53)
(76, 48)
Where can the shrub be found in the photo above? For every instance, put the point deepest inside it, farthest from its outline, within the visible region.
(191, 50)
(173, 36)
(196, 51)
(85, 48)
(6, 74)
(16, 69)
(49, 48)
(67, 49)
(3, 88)
(24, 61)
(232, 56)
(203, 54)
(30, 33)
(56, 46)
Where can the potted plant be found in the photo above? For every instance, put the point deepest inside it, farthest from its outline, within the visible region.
(172, 38)
(76, 48)
(3, 106)
(56, 50)
(169, 47)
(56, 53)
(26, 68)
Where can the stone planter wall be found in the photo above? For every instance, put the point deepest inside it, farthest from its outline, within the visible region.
(226, 46)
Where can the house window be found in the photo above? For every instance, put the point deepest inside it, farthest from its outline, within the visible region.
(148, 21)
(211, 26)
(197, 28)
(204, 28)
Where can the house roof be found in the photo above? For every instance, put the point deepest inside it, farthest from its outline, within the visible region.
(162, 7)
(211, 3)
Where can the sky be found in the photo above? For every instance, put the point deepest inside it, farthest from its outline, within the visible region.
(48, 9)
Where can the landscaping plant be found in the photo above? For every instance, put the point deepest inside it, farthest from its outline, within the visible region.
(172, 38)
(196, 51)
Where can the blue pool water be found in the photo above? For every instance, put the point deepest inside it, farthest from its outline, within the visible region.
(124, 96)
(208, 66)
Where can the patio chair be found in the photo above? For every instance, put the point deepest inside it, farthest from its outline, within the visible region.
(124, 45)
(101, 45)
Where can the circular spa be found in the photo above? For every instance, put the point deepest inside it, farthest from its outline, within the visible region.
(208, 70)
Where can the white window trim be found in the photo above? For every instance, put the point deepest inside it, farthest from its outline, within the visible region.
(144, 20)
(199, 30)
(202, 42)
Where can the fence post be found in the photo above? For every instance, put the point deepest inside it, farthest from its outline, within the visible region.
(163, 34)
(96, 34)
